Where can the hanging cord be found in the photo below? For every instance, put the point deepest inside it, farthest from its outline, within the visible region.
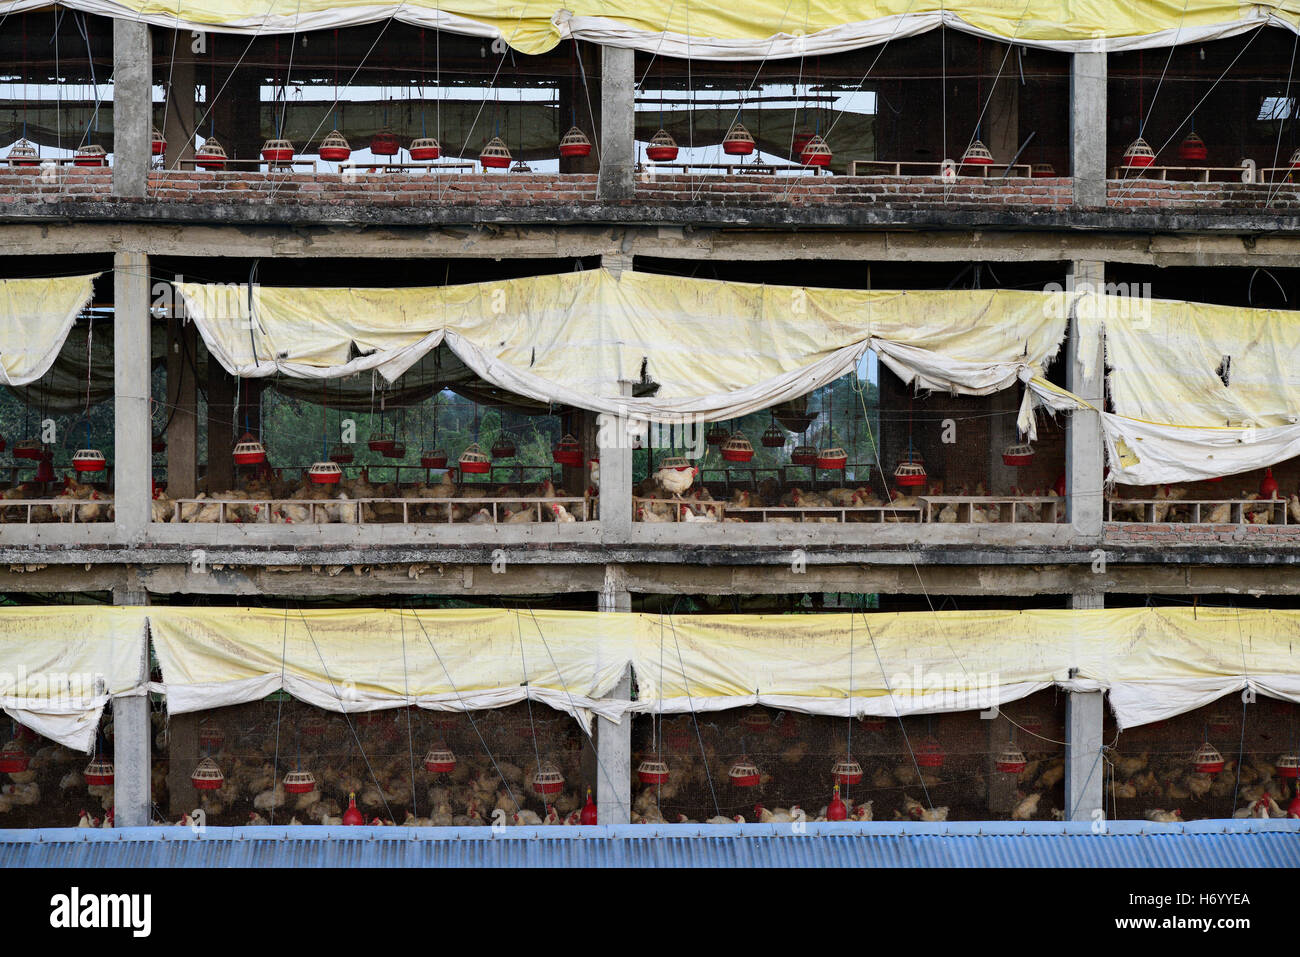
(410, 730)
(1281, 124)
(528, 696)
(279, 712)
(695, 720)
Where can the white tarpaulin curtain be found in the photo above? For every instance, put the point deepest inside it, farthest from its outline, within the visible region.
(717, 350)
(36, 316)
(60, 665)
(714, 29)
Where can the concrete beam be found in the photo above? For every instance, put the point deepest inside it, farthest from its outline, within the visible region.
(614, 739)
(132, 106)
(132, 743)
(1084, 767)
(617, 124)
(1084, 451)
(132, 425)
(1088, 128)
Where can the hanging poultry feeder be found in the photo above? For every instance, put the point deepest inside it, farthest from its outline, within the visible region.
(652, 771)
(1010, 760)
(662, 148)
(773, 437)
(92, 154)
(435, 459)
(325, 473)
(1042, 171)
(1294, 162)
(548, 781)
(930, 754)
(815, 153)
(1018, 454)
(738, 142)
(211, 155)
(89, 460)
(678, 463)
(846, 772)
(278, 152)
(575, 144)
(503, 448)
(567, 452)
(716, 434)
(1193, 149)
(425, 148)
(385, 143)
(206, 776)
(440, 759)
(833, 458)
(158, 143)
(1268, 485)
(334, 148)
(211, 737)
(837, 810)
(342, 455)
(29, 449)
(977, 154)
(1287, 765)
(589, 814)
(495, 154)
(300, 782)
(909, 474)
(98, 773)
(382, 443)
(794, 417)
(24, 153)
(395, 451)
(1207, 759)
(803, 455)
(737, 449)
(474, 462)
(351, 816)
(1139, 155)
(800, 140)
(757, 721)
(249, 451)
(13, 759)
(744, 773)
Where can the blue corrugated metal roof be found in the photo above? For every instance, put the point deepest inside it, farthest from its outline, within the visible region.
(1251, 843)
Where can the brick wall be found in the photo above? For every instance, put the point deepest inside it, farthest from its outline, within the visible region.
(1166, 534)
(1203, 197)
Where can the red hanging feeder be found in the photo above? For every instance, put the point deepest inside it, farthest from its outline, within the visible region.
(278, 152)
(1139, 155)
(815, 153)
(1207, 759)
(503, 448)
(249, 451)
(773, 437)
(930, 754)
(396, 451)
(211, 155)
(325, 473)
(440, 759)
(385, 143)
(757, 721)
(977, 154)
(495, 155)
(342, 455)
(737, 449)
(589, 813)
(157, 143)
(1010, 760)
(24, 153)
(548, 781)
(13, 759)
(744, 773)
(574, 144)
(300, 782)
(1287, 765)
(738, 142)
(836, 810)
(382, 443)
(1193, 149)
(352, 817)
(29, 449)
(1018, 455)
(425, 149)
(211, 737)
(803, 455)
(662, 148)
(846, 772)
(716, 434)
(473, 461)
(567, 452)
(910, 475)
(433, 459)
(652, 771)
(89, 460)
(207, 776)
(1042, 171)
(98, 773)
(92, 154)
(335, 148)
(834, 458)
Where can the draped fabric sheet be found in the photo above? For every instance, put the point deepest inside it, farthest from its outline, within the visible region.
(367, 660)
(716, 350)
(60, 665)
(35, 317)
(712, 29)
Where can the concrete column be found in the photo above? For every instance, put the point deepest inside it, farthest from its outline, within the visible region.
(1084, 452)
(182, 397)
(132, 428)
(132, 106)
(1084, 768)
(132, 740)
(617, 123)
(615, 476)
(178, 128)
(614, 740)
(1088, 128)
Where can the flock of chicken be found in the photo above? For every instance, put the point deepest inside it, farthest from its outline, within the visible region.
(75, 502)
(1165, 784)
(1168, 509)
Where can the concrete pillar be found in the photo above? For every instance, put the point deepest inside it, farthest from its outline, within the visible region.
(178, 127)
(1084, 453)
(615, 475)
(132, 106)
(182, 396)
(1088, 128)
(1084, 767)
(617, 123)
(132, 428)
(132, 740)
(614, 740)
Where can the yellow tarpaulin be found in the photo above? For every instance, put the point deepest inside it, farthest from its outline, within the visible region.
(713, 29)
(35, 318)
(716, 349)
(60, 665)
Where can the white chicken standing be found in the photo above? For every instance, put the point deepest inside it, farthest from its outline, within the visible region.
(676, 480)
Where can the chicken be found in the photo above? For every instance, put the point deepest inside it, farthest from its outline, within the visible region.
(919, 812)
(561, 513)
(644, 515)
(688, 516)
(737, 819)
(676, 481)
(1026, 808)
(1161, 816)
(481, 517)
(1221, 514)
